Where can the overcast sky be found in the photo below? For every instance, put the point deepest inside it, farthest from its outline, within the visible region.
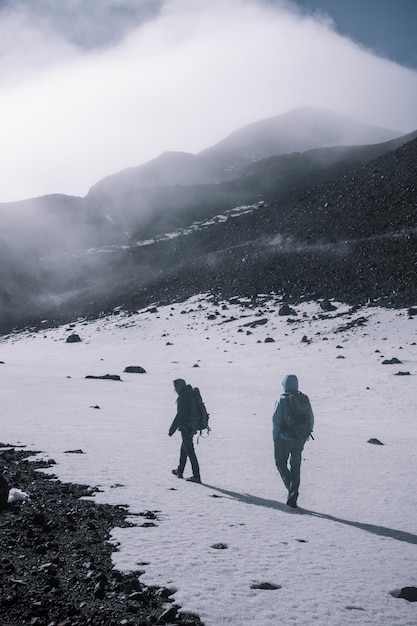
(90, 88)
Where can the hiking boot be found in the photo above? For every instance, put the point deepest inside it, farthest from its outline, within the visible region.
(177, 473)
(292, 499)
(193, 479)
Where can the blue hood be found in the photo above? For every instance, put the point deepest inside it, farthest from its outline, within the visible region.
(290, 383)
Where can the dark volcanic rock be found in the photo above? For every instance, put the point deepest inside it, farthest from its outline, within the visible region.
(66, 575)
(134, 369)
(409, 593)
(105, 377)
(4, 491)
(74, 338)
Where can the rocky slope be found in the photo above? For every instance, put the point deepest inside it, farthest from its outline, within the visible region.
(332, 222)
(55, 557)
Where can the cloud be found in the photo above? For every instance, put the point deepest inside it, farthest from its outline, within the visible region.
(181, 79)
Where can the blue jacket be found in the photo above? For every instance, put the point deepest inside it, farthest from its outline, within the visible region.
(290, 383)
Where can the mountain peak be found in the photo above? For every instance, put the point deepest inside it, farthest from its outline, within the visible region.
(298, 130)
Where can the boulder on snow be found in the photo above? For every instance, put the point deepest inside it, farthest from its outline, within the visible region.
(285, 309)
(393, 361)
(74, 338)
(105, 377)
(326, 305)
(254, 324)
(409, 593)
(265, 585)
(134, 369)
(376, 442)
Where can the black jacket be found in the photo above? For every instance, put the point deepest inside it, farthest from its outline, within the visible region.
(182, 420)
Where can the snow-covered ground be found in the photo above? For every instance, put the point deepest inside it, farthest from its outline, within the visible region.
(335, 560)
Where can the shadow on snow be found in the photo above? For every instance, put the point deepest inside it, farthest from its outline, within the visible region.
(399, 535)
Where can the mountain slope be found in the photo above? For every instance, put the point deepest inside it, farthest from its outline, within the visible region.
(352, 239)
(335, 222)
(296, 131)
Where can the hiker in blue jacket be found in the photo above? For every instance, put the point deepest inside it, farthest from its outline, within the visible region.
(182, 422)
(288, 445)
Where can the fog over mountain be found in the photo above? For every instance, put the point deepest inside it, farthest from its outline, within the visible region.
(91, 88)
(296, 131)
(332, 213)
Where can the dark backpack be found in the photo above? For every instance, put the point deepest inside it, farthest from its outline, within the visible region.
(199, 415)
(297, 422)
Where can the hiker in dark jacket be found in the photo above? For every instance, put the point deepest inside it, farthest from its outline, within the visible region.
(182, 422)
(288, 448)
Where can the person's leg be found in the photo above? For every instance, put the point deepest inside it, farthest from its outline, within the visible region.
(187, 442)
(282, 449)
(295, 471)
(183, 458)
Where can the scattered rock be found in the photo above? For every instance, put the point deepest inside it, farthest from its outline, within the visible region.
(79, 451)
(66, 576)
(267, 586)
(169, 615)
(327, 306)
(285, 309)
(105, 377)
(255, 323)
(376, 442)
(360, 321)
(74, 338)
(269, 340)
(409, 593)
(219, 546)
(134, 369)
(402, 374)
(393, 361)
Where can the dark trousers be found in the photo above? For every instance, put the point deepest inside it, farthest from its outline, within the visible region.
(187, 452)
(289, 450)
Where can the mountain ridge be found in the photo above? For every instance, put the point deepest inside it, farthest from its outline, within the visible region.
(298, 130)
(340, 218)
